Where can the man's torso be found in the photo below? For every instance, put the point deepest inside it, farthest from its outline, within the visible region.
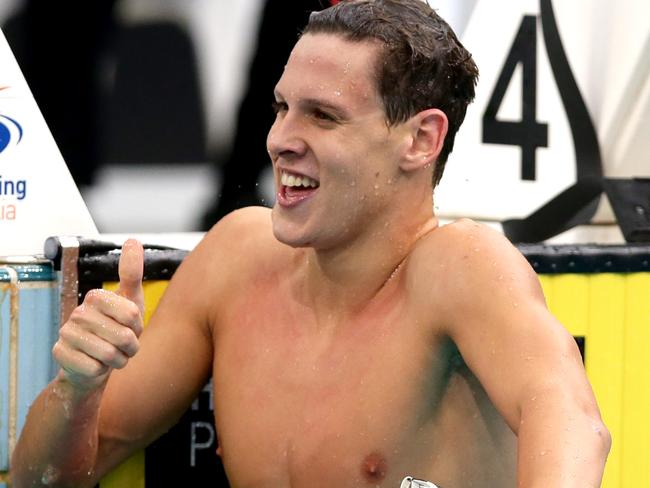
(302, 400)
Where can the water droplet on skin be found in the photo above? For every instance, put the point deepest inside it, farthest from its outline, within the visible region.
(50, 475)
(337, 93)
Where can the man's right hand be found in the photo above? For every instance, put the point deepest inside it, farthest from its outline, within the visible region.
(102, 333)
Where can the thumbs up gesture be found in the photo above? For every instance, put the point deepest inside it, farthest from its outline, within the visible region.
(102, 333)
(130, 271)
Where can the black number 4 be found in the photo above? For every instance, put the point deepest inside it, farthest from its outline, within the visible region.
(527, 133)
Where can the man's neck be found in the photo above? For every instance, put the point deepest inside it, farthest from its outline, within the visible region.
(340, 283)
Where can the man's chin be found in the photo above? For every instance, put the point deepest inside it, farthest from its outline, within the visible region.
(292, 241)
(288, 233)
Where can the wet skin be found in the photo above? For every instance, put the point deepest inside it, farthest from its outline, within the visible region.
(331, 326)
(302, 400)
(344, 392)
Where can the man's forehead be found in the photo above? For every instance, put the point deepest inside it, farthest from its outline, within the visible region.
(329, 60)
(335, 51)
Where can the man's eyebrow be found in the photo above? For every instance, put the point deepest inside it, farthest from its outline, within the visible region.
(325, 104)
(337, 109)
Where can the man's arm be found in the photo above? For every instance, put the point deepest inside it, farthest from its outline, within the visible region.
(107, 401)
(58, 444)
(527, 362)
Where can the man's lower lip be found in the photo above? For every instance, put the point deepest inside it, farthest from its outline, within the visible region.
(286, 201)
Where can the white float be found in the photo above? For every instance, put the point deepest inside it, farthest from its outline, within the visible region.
(38, 197)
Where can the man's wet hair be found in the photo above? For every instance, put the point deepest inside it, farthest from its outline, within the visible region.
(423, 64)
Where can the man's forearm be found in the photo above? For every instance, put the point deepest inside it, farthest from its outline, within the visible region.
(560, 445)
(58, 444)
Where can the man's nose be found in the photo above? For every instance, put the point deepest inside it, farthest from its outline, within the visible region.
(286, 137)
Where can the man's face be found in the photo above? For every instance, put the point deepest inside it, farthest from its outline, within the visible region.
(334, 157)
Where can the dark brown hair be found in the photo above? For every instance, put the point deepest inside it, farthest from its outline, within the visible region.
(423, 64)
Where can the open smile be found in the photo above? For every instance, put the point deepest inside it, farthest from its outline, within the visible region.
(295, 188)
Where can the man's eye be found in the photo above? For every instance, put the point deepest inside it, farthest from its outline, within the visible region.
(320, 115)
(278, 107)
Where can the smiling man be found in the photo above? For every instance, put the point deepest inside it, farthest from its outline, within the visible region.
(352, 341)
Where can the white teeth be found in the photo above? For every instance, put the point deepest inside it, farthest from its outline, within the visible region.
(292, 180)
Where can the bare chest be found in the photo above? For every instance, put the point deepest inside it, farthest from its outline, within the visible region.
(300, 403)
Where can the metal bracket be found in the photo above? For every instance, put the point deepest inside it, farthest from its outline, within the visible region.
(630, 200)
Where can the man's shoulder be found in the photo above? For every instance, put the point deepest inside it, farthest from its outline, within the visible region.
(461, 270)
(247, 219)
(242, 228)
(456, 239)
(464, 255)
(232, 253)
(242, 238)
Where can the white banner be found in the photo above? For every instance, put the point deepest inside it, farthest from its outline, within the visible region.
(557, 80)
(38, 197)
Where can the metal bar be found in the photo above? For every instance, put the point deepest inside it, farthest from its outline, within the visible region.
(68, 277)
(13, 355)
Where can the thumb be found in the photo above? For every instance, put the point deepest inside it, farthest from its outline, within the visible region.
(130, 270)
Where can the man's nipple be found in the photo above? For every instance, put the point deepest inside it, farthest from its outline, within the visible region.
(374, 467)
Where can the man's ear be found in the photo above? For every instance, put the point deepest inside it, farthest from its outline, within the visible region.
(428, 130)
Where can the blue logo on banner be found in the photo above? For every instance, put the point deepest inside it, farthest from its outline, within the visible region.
(11, 132)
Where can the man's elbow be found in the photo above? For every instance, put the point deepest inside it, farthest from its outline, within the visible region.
(594, 432)
(604, 438)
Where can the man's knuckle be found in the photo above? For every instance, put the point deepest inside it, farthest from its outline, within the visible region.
(96, 368)
(78, 315)
(66, 333)
(93, 297)
(124, 338)
(133, 313)
(119, 361)
(108, 355)
(57, 351)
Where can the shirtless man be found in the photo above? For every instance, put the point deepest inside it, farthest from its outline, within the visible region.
(333, 326)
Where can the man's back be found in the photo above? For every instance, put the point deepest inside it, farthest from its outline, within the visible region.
(351, 398)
